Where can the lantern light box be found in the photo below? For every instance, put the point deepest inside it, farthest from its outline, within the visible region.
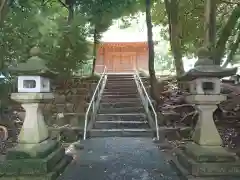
(205, 86)
(33, 84)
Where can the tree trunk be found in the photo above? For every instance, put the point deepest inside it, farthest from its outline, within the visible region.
(226, 32)
(233, 48)
(67, 43)
(70, 13)
(95, 41)
(3, 10)
(210, 24)
(151, 69)
(174, 33)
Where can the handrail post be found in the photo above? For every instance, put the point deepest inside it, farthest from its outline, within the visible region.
(147, 102)
(91, 106)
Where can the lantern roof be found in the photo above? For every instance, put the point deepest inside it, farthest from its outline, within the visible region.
(205, 67)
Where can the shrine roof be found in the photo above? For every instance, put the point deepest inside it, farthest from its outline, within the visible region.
(144, 43)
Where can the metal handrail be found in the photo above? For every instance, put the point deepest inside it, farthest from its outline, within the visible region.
(101, 81)
(147, 100)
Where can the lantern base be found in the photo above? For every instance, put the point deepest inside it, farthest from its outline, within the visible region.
(32, 97)
(202, 99)
(203, 161)
(43, 161)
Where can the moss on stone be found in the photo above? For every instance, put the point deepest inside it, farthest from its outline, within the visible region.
(32, 166)
(208, 154)
(26, 151)
(58, 169)
(209, 169)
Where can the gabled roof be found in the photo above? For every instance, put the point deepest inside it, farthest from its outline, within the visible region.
(144, 43)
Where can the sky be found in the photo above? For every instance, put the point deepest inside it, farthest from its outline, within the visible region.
(137, 32)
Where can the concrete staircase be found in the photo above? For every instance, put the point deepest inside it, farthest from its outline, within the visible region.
(121, 113)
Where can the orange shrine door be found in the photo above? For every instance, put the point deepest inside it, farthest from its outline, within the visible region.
(122, 62)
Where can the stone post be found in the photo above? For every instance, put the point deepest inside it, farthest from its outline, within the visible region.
(36, 156)
(34, 129)
(206, 133)
(205, 156)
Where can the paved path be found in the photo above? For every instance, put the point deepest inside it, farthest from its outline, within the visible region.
(119, 159)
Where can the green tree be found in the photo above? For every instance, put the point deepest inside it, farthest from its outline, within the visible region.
(226, 31)
(164, 61)
(63, 42)
(190, 26)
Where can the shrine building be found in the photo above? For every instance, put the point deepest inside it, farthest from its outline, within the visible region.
(122, 57)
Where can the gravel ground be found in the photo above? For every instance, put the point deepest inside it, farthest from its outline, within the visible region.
(119, 159)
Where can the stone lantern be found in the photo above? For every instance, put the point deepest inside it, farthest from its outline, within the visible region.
(205, 156)
(36, 155)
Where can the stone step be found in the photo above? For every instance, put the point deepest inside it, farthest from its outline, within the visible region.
(115, 96)
(124, 90)
(121, 117)
(135, 90)
(120, 92)
(122, 110)
(117, 87)
(119, 83)
(120, 124)
(115, 100)
(112, 76)
(119, 104)
(129, 82)
(130, 78)
(121, 133)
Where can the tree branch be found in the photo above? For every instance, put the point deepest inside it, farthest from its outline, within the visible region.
(45, 2)
(225, 33)
(62, 3)
(233, 49)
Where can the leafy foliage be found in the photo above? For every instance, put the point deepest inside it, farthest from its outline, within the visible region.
(164, 62)
(62, 45)
(191, 17)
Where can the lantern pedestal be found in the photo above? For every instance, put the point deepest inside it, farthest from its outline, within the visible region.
(210, 162)
(206, 133)
(36, 156)
(205, 156)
